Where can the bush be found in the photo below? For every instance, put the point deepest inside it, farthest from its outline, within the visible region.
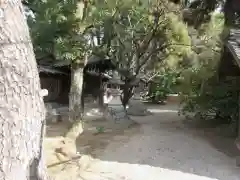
(218, 100)
(163, 85)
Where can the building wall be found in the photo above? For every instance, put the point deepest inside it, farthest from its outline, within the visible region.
(57, 86)
(92, 85)
(227, 65)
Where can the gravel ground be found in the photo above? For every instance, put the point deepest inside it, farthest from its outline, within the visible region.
(164, 149)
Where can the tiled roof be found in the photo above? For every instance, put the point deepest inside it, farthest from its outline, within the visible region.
(233, 44)
(49, 70)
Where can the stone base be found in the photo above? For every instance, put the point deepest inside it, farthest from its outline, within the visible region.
(52, 115)
(117, 116)
(137, 108)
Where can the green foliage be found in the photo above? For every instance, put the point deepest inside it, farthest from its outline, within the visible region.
(201, 90)
(100, 129)
(180, 47)
(124, 30)
(139, 36)
(217, 100)
(55, 29)
(164, 85)
(199, 11)
(202, 63)
(178, 36)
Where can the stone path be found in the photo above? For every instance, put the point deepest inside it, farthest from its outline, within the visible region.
(164, 149)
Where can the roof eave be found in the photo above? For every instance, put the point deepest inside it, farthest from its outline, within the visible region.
(231, 49)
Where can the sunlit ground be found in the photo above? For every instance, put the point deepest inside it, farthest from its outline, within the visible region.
(163, 111)
(161, 147)
(105, 170)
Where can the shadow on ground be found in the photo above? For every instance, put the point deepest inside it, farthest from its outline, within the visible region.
(162, 147)
(215, 136)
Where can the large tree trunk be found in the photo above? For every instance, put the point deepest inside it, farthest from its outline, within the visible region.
(22, 111)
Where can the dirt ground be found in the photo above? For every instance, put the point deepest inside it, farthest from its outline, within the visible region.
(158, 147)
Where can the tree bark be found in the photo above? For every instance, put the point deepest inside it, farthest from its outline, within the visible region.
(76, 103)
(22, 111)
(101, 94)
(127, 94)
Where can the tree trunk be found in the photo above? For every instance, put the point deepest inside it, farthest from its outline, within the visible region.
(101, 94)
(127, 94)
(76, 103)
(22, 111)
(67, 149)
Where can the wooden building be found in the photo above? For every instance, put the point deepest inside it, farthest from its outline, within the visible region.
(230, 61)
(57, 82)
(229, 68)
(95, 75)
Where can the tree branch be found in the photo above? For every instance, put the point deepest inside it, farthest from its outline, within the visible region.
(87, 28)
(153, 76)
(142, 48)
(146, 41)
(146, 58)
(154, 51)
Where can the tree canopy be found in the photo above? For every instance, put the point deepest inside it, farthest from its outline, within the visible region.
(139, 36)
(126, 31)
(56, 31)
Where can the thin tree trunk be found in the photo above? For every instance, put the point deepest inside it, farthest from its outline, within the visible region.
(67, 149)
(127, 94)
(76, 105)
(76, 109)
(101, 94)
(22, 111)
